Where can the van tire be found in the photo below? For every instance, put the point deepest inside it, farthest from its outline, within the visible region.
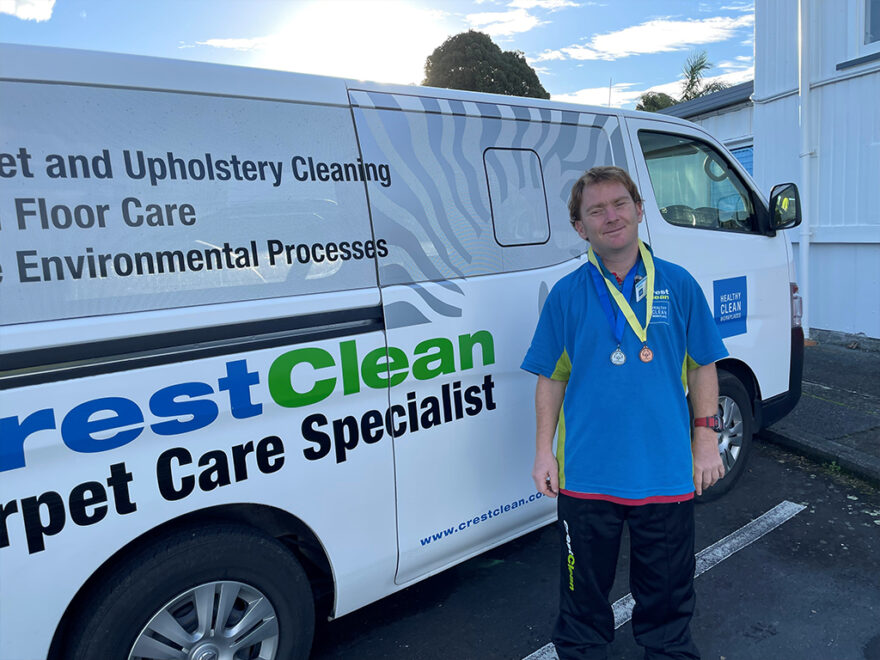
(209, 561)
(735, 438)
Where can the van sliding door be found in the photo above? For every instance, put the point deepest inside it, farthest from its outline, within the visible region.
(473, 214)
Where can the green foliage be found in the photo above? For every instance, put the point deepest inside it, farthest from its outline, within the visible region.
(654, 101)
(692, 86)
(472, 61)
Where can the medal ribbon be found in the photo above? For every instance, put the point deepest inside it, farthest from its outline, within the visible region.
(623, 303)
(615, 323)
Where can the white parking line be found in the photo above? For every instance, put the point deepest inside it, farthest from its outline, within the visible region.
(706, 559)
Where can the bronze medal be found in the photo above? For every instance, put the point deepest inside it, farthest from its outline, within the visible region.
(646, 354)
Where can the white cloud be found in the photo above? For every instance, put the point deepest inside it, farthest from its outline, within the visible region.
(547, 55)
(740, 65)
(656, 36)
(736, 77)
(28, 10)
(237, 44)
(366, 45)
(674, 88)
(516, 19)
(627, 94)
(740, 6)
(504, 23)
(621, 94)
(552, 5)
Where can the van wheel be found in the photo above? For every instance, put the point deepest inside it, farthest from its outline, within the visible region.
(735, 438)
(222, 592)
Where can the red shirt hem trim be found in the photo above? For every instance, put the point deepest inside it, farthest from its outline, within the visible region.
(654, 499)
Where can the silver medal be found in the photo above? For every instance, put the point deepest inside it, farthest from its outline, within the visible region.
(617, 357)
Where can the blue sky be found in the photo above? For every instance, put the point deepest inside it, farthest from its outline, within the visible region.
(579, 48)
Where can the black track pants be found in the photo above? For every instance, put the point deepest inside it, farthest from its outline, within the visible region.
(661, 577)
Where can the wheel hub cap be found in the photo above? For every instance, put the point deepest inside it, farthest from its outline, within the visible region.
(206, 652)
(730, 437)
(224, 620)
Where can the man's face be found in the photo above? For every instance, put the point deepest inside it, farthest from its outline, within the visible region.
(609, 218)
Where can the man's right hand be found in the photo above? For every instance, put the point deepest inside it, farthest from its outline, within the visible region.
(546, 474)
(549, 395)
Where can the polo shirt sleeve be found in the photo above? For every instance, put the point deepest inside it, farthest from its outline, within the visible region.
(704, 343)
(546, 355)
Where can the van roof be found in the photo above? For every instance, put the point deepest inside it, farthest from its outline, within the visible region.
(86, 67)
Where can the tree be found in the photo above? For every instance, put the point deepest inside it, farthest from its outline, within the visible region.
(655, 101)
(692, 86)
(472, 61)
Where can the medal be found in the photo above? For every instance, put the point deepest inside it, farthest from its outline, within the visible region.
(618, 321)
(622, 300)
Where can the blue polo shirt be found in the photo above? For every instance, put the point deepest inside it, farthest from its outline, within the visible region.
(624, 431)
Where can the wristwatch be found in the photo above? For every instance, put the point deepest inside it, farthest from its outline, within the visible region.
(713, 422)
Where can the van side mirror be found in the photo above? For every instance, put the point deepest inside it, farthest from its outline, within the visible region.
(785, 206)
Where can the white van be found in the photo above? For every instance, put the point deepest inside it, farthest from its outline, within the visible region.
(261, 336)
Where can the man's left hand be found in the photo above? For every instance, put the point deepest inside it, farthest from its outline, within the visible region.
(708, 467)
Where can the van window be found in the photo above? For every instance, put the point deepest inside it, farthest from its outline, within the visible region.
(695, 186)
(516, 196)
(141, 213)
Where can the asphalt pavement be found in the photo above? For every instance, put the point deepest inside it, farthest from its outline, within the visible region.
(808, 589)
(837, 420)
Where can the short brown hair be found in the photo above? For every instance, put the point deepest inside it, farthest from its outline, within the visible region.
(599, 175)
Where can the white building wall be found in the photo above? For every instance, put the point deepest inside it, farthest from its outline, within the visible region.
(844, 114)
(731, 127)
(840, 272)
(776, 54)
(777, 144)
(848, 160)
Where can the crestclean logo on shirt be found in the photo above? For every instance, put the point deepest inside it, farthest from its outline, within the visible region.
(660, 310)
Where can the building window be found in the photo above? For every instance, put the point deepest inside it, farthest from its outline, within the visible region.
(872, 21)
(863, 43)
(745, 156)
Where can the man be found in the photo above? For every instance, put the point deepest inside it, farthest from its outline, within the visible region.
(613, 342)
